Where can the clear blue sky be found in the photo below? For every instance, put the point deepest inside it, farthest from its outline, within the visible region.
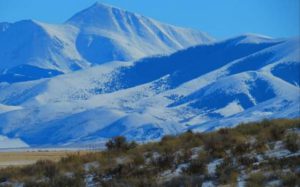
(219, 18)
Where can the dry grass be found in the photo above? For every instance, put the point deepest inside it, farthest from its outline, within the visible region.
(30, 157)
(144, 165)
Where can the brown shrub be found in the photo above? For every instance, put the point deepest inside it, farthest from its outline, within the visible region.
(256, 180)
(292, 141)
(119, 143)
(196, 167)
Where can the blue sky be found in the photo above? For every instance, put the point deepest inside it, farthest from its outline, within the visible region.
(219, 18)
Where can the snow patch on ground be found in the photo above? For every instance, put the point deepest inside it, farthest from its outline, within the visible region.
(211, 167)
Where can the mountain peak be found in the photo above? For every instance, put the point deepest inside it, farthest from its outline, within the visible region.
(103, 6)
(98, 14)
(102, 17)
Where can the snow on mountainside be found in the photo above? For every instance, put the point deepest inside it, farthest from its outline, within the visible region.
(6, 143)
(203, 88)
(94, 36)
(5, 108)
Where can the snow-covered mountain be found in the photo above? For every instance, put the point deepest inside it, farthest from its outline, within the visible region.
(203, 88)
(30, 50)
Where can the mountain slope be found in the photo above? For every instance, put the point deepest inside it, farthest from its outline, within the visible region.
(96, 35)
(202, 88)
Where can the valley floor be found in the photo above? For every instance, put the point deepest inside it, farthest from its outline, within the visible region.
(22, 158)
